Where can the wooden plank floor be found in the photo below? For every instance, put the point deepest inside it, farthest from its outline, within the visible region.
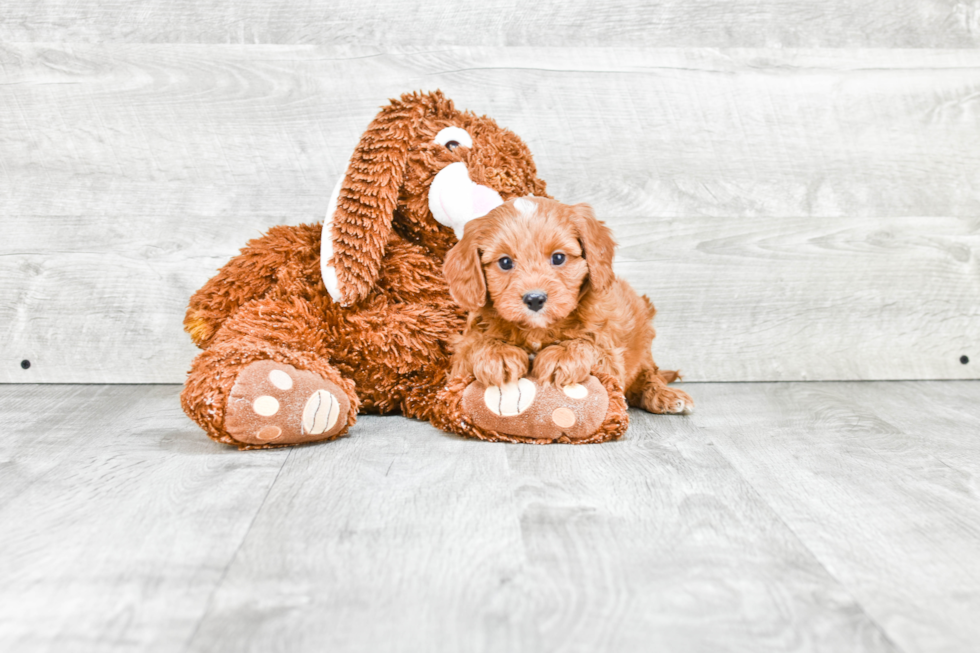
(779, 517)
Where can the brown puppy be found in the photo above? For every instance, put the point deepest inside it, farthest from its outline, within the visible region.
(556, 308)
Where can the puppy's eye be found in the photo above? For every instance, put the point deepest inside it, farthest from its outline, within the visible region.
(557, 259)
(452, 145)
(505, 263)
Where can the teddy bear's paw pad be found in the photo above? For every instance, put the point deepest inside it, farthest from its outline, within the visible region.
(528, 410)
(320, 413)
(274, 403)
(509, 399)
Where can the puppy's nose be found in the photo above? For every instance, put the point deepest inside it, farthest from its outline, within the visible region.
(535, 300)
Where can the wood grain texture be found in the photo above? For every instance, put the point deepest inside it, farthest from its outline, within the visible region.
(779, 517)
(117, 517)
(401, 538)
(794, 214)
(668, 23)
(746, 299)
(147, 130)
(881, 482)
(810, 299)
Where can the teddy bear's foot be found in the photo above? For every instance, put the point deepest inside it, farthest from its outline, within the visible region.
(274, 404)
(534, 412)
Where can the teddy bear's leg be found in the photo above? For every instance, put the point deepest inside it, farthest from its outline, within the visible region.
(266, 383)
(421, 399)
(651, 393)
(252, 395)
(528, 411)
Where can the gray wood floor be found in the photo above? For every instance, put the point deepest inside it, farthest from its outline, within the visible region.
(806, 516)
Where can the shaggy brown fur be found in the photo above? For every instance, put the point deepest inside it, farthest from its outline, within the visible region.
(385, 344)
(555, 308)
(388, 346)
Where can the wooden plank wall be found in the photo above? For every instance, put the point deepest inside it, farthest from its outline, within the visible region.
(795, 185)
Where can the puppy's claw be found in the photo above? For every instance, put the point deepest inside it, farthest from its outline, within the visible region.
(681, 407)
(664, 400)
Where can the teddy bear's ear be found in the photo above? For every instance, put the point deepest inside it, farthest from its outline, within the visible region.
(358, 221)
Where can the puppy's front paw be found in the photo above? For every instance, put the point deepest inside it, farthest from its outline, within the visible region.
(562, 365)
(500, 366)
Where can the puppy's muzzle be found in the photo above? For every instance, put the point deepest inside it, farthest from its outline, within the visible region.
(535, 300)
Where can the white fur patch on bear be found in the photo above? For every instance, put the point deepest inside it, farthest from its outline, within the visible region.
(455, 199)
(327, 272)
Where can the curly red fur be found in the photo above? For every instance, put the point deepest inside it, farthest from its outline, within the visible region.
(592, 322)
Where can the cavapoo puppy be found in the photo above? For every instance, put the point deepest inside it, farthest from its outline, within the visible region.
(536, 276)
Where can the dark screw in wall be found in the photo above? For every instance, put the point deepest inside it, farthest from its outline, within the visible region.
(964, 359)
(25, 364)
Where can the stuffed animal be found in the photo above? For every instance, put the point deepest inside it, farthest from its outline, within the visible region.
(310, 325)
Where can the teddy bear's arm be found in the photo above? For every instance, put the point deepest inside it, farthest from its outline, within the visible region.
(249, 275)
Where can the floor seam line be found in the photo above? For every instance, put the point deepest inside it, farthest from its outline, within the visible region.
(234, 556)
(806, 547)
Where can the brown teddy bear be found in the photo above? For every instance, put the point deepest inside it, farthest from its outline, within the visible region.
(311, 324)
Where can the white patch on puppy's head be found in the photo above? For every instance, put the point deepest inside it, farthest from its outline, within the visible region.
(525, 206)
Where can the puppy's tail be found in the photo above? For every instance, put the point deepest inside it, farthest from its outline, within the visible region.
(651, 311)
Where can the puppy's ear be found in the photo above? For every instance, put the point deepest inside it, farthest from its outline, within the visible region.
(358, 227)
(598, 246)
(464, 270)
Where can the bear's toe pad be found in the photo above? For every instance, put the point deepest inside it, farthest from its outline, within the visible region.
(534, 412)
(276, 404)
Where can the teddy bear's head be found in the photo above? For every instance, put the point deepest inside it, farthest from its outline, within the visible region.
(423, 169)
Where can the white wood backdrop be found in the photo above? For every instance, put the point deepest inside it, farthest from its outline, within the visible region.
(663, 23)
(794, 212)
